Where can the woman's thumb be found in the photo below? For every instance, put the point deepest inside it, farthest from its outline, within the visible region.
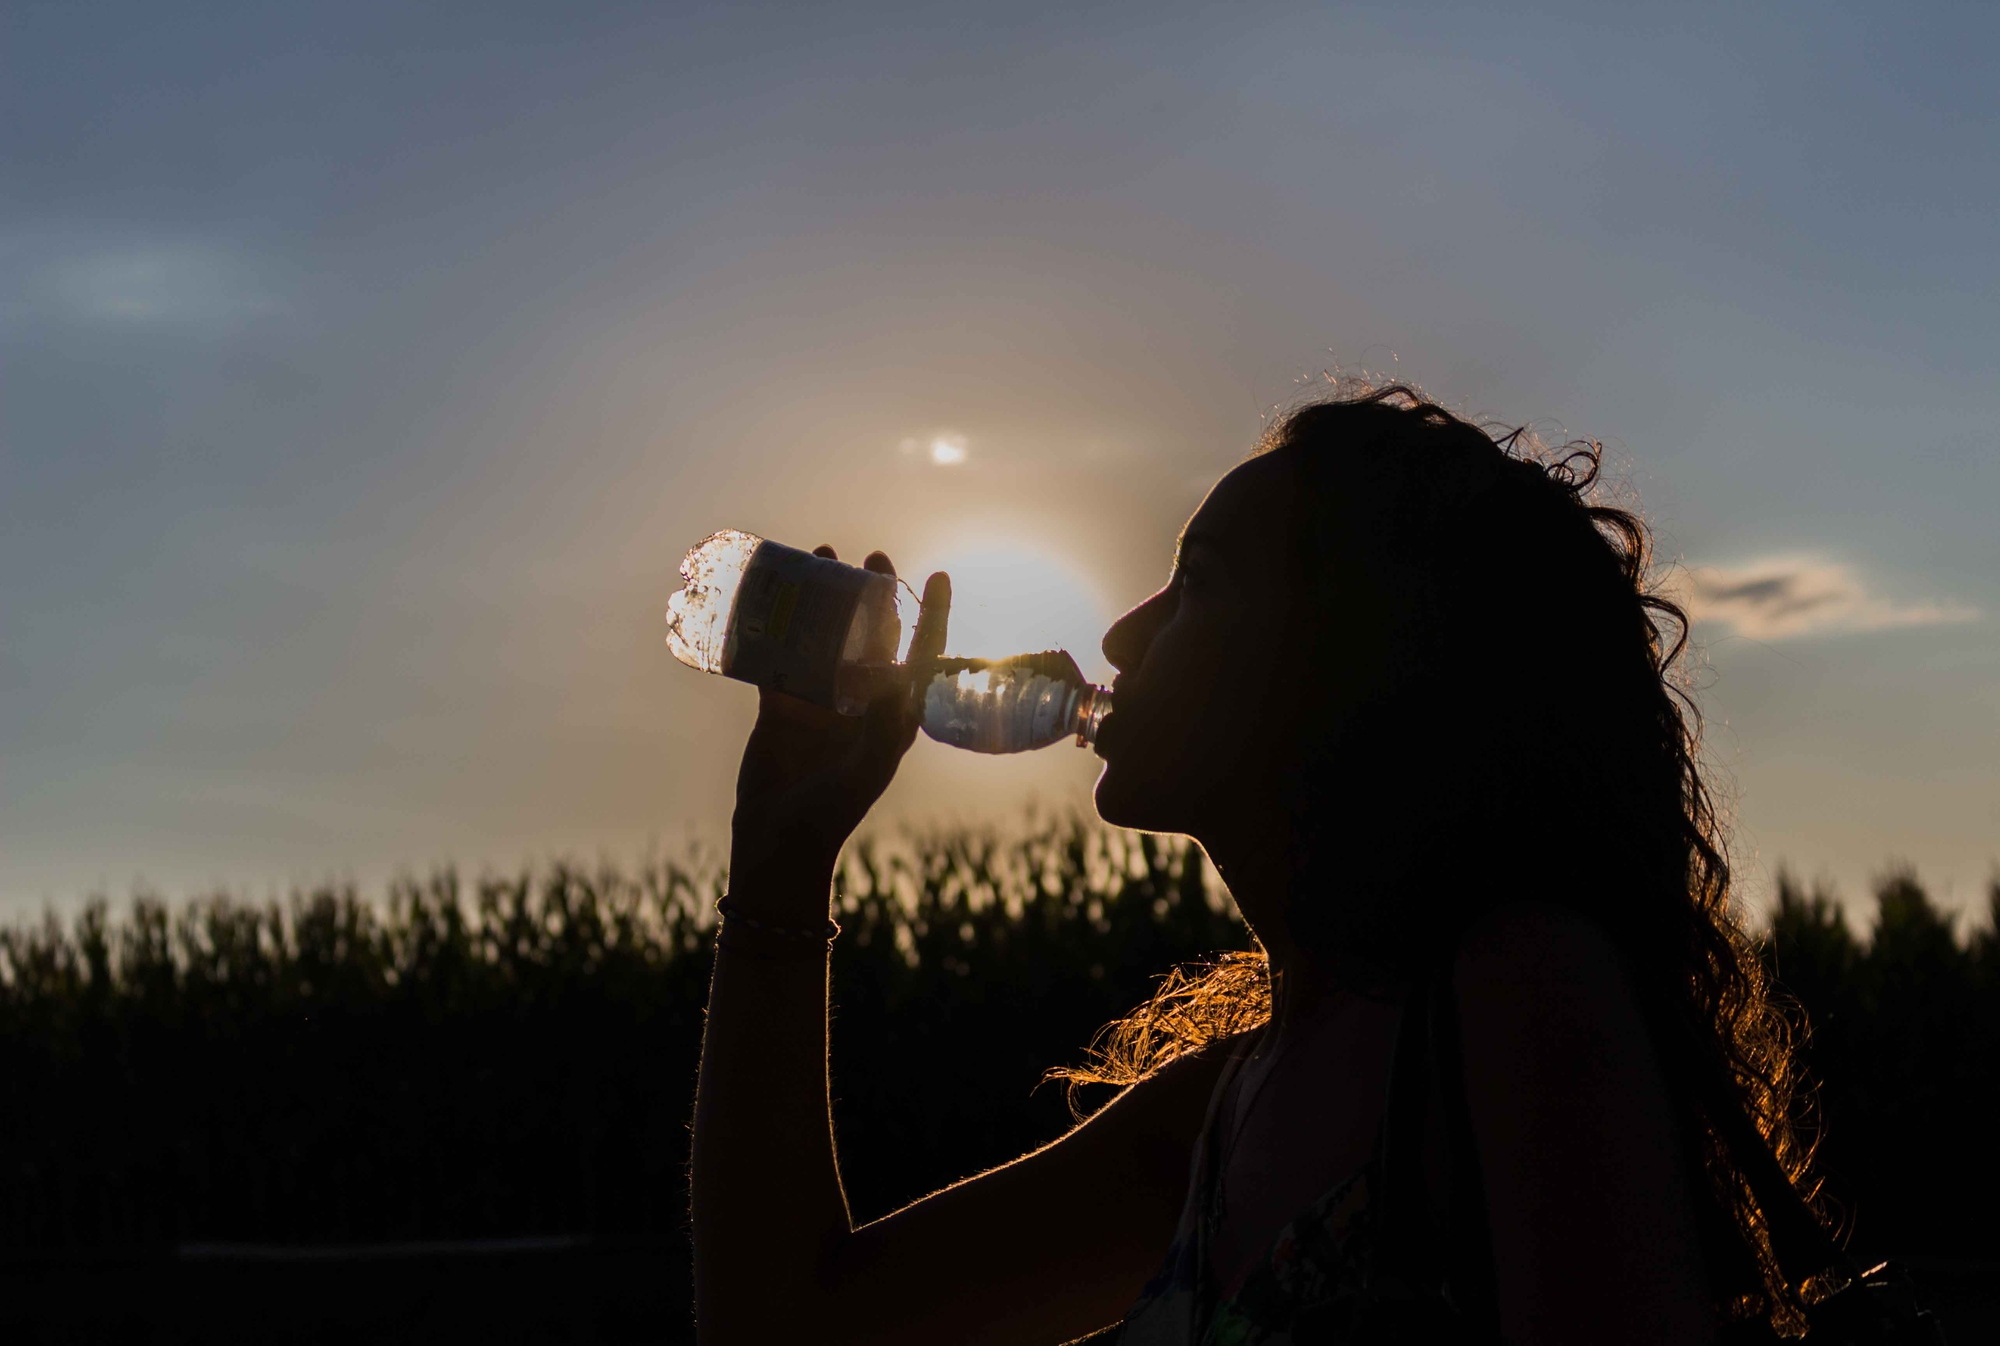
(933, 618)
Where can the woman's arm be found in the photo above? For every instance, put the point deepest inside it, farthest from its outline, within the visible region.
(1045, 1249)
(1589, 1193)
(1041, 1250)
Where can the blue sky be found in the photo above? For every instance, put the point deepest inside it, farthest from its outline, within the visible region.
(363, 375)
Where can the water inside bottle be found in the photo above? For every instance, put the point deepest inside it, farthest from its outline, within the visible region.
(698, 612)
(1012, 705)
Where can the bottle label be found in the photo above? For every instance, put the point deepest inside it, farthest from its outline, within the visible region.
(789, 625)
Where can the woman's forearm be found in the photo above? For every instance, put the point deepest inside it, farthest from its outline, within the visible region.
(767, 1202)
(769, 1215)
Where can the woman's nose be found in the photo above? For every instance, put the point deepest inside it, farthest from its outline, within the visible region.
(1125, 644)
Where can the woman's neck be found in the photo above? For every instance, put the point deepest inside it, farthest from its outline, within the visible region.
(1254, 860)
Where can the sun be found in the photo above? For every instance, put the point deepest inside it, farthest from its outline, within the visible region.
(1008, 598)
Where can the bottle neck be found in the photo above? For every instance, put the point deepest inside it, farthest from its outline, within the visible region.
(1092, 705)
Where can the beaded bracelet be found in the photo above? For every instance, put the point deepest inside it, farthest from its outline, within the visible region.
(726, 907)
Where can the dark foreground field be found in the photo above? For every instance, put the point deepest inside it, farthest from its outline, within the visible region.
(460, 1114)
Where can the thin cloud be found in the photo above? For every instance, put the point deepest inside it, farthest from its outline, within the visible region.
(146, 284)
(1783, 597)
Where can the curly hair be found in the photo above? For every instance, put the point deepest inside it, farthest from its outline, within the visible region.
(1574, 775)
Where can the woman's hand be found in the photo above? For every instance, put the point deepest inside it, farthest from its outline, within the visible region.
(809, 776)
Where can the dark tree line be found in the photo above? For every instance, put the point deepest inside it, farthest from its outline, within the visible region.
(1904, 1040)
(515, 1057)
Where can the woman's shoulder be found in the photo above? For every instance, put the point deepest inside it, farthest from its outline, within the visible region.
(1533, 941)
(1525, 926)
(1545, 986)
(1582, 1159)
(1179, 1092)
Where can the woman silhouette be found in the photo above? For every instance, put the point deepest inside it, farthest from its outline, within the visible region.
(1407, 689)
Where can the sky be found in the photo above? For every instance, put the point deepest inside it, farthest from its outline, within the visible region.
(365, 371)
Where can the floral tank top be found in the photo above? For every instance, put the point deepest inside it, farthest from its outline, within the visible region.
(1361, 1263)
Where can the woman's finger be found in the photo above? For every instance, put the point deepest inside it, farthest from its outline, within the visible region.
(880, 563)
(933, 619)
(826, 549)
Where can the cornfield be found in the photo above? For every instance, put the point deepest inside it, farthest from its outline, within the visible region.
(513, 1057)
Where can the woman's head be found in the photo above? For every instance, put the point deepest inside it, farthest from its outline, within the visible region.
(1428, 651)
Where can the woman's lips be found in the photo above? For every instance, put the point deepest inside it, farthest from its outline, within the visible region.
(1104, 733)
(1120, 689)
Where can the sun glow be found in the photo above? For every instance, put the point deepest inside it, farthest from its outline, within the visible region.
(947, 450)
(1009, 598)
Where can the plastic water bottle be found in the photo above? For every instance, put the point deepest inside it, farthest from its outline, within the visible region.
(832, 633)
(782, 618)
(1013, 705)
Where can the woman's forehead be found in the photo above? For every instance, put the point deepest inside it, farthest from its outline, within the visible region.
(1251, 507)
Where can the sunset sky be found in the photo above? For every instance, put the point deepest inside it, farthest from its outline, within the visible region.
(364, 374)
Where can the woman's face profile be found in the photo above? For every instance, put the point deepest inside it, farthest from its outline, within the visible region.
(1205, 718)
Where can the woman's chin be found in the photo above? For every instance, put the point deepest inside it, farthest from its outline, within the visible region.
(1124, 801)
